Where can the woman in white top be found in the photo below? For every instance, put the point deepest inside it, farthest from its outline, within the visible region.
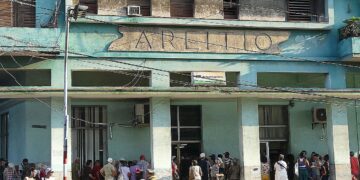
(281, 169)
(195, 172)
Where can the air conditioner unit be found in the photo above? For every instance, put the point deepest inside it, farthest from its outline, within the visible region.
(133, 11)
(319, 115)
(142, 114)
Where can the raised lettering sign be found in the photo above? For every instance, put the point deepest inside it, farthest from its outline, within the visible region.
(198, 40)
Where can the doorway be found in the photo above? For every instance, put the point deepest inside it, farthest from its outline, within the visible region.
(274, 133)
(186, 136)
(89, 134)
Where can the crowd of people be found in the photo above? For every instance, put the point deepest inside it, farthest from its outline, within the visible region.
(26, 170)
(213, 167)
(113, 170)
(314, 167)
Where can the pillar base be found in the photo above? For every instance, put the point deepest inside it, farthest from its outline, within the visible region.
(340, 171)
(251, 173)
(163, 174)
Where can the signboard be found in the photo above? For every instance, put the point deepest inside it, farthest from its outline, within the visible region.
(208, 78)
(159, 39)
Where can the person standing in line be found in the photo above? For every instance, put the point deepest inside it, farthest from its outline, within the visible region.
(75, 169)
(354, 162)
(228, 162)
(214, 169)
(222, 165)
(195, 172)
(281, 169)
(144, 165)
(96, 170)
(124, 169)
(87, 175)
(108, 171)
(315, 167)
(174, 168)
(134, 169)
(234, 171)
(25, 167)
(303, 165)
(205, 166)
(265, 168)
(325, 168)
(9, 172)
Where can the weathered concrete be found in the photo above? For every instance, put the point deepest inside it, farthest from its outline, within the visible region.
(208, 9)
(198, 40)
(160, 79)
(264, 10)
(338, 141)
(112, 7)
(160, 134)
(249, 140)
(160, 8)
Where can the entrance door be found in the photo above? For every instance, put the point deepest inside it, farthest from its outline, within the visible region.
(88, 133)
(274, 133)
(186, 136)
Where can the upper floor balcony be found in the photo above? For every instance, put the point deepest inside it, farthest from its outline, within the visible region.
(29, 26)
(349, 46)
(279, 14)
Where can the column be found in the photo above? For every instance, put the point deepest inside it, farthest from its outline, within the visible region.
(249, 138)
(247, 79)
(209, 9)
(160, 134)
(336, 79)
(338, 141)
(160, 8)
(57, 137)
(160, 79)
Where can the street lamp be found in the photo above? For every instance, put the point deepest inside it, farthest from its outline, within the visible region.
(72, 12)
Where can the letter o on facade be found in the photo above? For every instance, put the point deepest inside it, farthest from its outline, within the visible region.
(263, 41)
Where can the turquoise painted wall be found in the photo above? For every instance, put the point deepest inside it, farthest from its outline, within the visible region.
(302, 136)
(128, 143)
(25, 141)
(220, 130)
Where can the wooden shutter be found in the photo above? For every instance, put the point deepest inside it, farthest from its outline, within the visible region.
(92, 4)
(144, 6)
(182, 8)
(231, 9)
(300, 10)
(5, 13)
(24, 14)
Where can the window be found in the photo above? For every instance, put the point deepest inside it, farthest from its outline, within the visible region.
(16, 14)
(183, 79)
(4, 133)
(182, 8)
(26, 77)
(92, 4)
(274, 123)
(306, 10)
(111, 78)
(144, 6)
(231, 9)
(186, 123)
(294, 80)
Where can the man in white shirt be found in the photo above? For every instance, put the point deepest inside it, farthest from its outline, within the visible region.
(124, 170)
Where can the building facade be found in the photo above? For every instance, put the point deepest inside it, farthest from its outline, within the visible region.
(170, 78)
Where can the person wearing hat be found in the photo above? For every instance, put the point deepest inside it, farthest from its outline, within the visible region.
(124, 170)
(281, 169)
(49, 172)
(9, 172)
(205, 166)
(151, 174)
(108, 171)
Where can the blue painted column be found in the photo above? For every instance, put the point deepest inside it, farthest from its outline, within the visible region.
(160, 134)
(57, 136)
(160, 79)
(338, 141)
(336, 79)
(249, 140)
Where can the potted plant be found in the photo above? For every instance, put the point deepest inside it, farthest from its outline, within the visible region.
(352, 29)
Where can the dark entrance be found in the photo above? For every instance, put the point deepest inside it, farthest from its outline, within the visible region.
(186, 136)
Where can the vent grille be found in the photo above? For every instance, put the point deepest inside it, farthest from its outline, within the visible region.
(300, 10)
